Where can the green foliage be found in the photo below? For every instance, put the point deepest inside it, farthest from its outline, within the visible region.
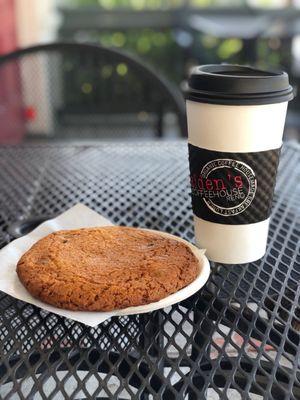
(229, 47)
(164, 51)
(158, 48)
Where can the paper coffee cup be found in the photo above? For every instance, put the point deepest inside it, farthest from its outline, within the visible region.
(235, 118)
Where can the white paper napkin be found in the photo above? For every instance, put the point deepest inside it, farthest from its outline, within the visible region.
(76, 217)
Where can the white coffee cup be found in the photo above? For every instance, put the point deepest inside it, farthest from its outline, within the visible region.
(235, 118)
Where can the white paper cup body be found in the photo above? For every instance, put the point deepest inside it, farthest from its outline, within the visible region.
(234, 129)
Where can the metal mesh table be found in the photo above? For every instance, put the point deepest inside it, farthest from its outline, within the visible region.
(237, 338)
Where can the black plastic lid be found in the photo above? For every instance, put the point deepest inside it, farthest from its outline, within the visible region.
(237, 85)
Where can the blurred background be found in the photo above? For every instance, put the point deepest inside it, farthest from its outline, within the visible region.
(64, 96)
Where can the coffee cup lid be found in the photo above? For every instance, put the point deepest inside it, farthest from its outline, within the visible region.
(237, 85)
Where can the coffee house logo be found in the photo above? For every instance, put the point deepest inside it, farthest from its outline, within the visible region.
(226, 186)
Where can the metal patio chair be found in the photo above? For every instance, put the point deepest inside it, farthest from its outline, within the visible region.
(73, 91)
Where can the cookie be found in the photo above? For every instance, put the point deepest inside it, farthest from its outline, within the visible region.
(102, 269)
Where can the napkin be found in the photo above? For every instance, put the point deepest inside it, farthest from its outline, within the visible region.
(76, 217)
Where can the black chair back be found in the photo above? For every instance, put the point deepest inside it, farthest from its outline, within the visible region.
(83, 91)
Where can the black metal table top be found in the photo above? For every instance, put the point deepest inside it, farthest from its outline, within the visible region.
(237, 338)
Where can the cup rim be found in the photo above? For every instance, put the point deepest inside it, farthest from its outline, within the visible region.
(234, 84)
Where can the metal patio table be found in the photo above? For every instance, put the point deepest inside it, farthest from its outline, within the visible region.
(237, 338)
